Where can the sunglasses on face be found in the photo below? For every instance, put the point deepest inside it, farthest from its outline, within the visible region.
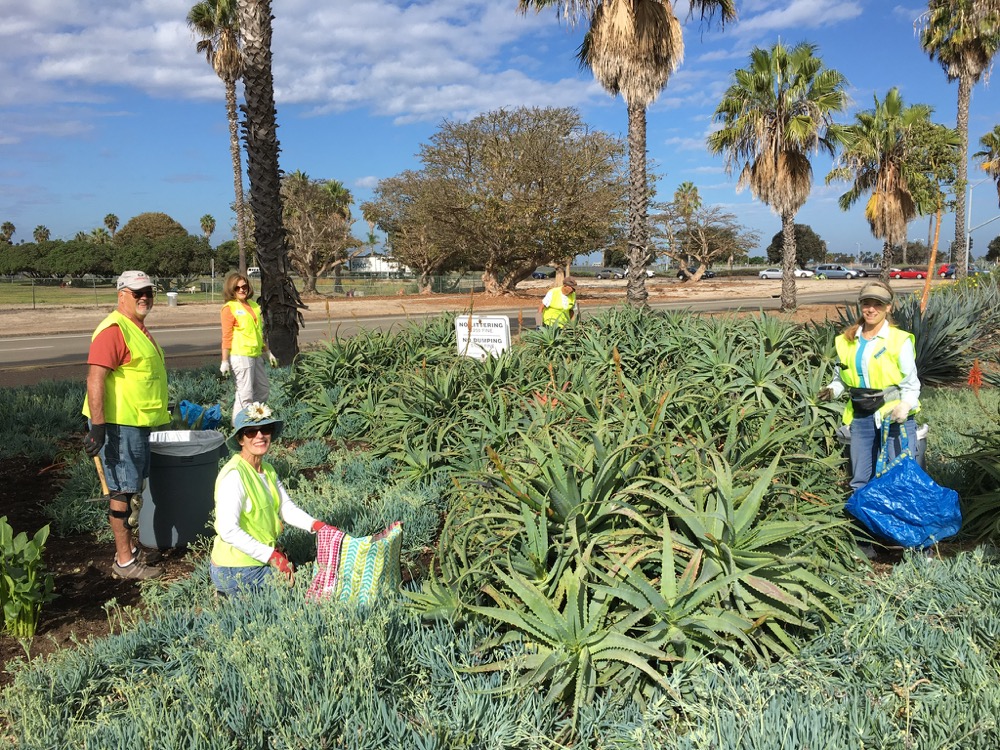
(147, 292)
(251, 432)
(242, 288)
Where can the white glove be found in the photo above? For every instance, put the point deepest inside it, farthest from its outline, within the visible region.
(272, 359)
(224, 368)
(900, 412)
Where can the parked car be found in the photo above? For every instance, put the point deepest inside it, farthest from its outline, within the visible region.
(253, 272)
(687, 273)
(861, 271)
(775, 273)
(907, 273)
(611, 273)
(649, 273)
(947, 270)
(540, 274)
(833, 271)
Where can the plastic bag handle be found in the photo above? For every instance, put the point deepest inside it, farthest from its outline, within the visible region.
(883, 464)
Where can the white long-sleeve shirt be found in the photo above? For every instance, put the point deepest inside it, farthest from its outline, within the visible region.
(231, 501)
(909, 388)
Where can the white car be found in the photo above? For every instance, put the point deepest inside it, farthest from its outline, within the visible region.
(775, 273)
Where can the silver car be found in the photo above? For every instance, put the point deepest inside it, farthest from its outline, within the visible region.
(775, 273)
(831, 271)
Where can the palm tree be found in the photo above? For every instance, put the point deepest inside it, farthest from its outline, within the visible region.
(776, 112)
(632, 47)
(963, 36)
(217, 23)
(281, 301)
(207, 226)
(111, 222)
(99, 236)
(688, 201)
(878, 156)
(41, 234)
(990, 155)
(7, 230)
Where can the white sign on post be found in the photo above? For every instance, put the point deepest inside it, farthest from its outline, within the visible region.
(479, 336)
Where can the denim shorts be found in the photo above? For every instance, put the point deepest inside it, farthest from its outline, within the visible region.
(126, 458)
(230, 580)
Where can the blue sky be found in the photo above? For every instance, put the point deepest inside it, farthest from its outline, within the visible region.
(107, 108)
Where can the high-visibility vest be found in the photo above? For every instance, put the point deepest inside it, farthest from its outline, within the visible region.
(261, 519)
(559, 308)
(883, 366)
(248, 332)
(135, 393)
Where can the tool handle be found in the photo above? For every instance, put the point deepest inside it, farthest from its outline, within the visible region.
(100, 473)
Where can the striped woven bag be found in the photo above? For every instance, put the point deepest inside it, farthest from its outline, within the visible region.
(357, 569)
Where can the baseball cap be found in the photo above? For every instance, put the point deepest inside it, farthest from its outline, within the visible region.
(569, 281)
(873, 290)
(134, 280)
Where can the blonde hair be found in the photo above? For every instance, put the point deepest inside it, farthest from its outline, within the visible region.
(230, 284)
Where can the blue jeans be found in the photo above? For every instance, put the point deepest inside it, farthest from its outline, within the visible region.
(229, 579)
(126, 458)
(866, 442)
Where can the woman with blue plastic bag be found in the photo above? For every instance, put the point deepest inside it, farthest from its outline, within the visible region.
(877, 369)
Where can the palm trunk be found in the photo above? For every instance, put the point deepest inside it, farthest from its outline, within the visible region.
(886, 261)
(234, 150)
(280, 299)
(788, 257)
(638, 198)
(964, 94)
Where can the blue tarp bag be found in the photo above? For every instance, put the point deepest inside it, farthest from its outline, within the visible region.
(902, 504)
(191, 413)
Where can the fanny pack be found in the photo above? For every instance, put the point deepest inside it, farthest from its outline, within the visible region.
(867, 401)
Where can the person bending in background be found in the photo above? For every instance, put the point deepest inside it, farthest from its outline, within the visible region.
(250, 505)
(559, 304)
(243, 347)
(875, 355)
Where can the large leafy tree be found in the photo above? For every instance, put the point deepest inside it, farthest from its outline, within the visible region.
(152, 225)
(989, 155)
(281, 301)
(963, 36)
(809, 247)
(699, 236)
(524, 187)
(878, 158)
(633, 47)
(217, 23)
(777, 112)
(317, 216)
(408, 208)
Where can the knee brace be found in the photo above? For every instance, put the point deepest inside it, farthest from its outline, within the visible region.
(131, 515)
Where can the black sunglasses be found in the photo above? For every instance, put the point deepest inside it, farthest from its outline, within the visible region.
(242, 288)
(251, 432)
(147, 292)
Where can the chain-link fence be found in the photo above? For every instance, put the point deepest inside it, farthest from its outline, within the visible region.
(22, 291)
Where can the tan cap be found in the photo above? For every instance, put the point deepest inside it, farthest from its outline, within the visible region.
(569, 281)
(875, 290)
(134, 280)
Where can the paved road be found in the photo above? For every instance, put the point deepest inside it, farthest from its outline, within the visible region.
(31, 359)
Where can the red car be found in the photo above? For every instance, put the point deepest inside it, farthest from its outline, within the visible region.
(907, 273)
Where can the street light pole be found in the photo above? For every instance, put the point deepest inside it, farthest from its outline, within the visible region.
(968, 223)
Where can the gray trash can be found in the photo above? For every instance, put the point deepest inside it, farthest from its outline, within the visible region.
(919, 450)
(171, 299)
(179, 497)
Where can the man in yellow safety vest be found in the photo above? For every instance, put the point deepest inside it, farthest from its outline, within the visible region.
(126, 398)
(559, 304)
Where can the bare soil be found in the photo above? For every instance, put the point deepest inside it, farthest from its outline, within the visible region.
(81, 564)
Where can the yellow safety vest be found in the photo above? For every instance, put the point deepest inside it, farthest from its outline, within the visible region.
(135, 393)
(883, 366)
(261, 520)
(559, 308)
(248, 334)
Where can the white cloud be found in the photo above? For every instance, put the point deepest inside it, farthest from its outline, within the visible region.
(798, 14)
